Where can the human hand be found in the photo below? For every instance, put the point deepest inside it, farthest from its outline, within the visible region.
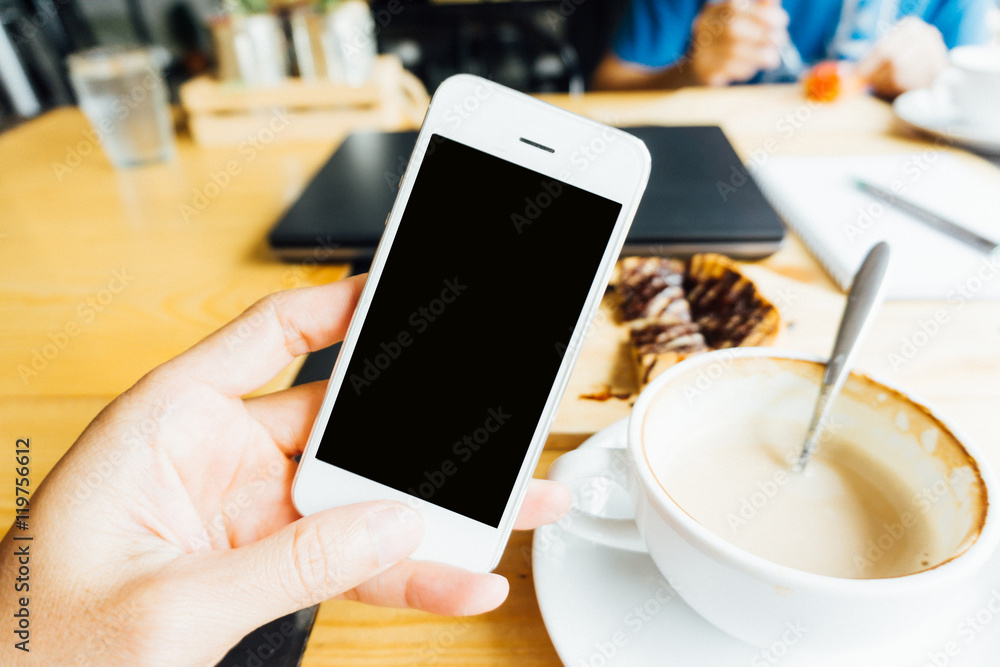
(908, 57)
(167, 532)
(733, 41)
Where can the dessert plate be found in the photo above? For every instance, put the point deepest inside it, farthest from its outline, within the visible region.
(930, 111)
(604, 606)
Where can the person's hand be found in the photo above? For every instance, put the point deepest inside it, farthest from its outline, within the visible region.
(908, 57)
(167, 532)
(731, 42)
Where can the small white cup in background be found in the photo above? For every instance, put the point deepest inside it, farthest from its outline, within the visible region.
(972, 86)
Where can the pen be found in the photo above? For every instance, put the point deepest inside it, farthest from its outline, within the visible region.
(791, 59)
(930, 218)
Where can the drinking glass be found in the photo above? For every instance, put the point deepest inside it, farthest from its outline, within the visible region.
(122, 93)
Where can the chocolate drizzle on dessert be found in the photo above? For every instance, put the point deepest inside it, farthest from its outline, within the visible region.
(649, 288)
(674, 311)
(727, 307)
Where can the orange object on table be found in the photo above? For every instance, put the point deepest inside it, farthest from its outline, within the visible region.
(831, 80)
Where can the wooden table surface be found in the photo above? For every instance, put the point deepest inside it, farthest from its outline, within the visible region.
(104, 274)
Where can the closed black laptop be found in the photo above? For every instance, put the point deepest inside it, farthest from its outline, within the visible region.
(699, 199)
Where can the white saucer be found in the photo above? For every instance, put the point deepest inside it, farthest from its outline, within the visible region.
(928, 110)
(603, 607)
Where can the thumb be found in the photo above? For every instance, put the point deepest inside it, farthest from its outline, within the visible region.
(306, 562)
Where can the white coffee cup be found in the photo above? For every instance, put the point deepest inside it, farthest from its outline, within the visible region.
(972, 86)
(757, 600)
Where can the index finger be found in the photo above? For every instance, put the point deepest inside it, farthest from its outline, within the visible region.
(770, 16)
(872, 62)
(246, 353)
(878, 56)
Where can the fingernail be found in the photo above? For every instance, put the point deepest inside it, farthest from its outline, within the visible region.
(491, 591)
(396, 533)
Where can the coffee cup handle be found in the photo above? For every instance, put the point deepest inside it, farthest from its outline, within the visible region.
(597, 463)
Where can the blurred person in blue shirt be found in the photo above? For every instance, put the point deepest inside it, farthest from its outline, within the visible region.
(898, 45)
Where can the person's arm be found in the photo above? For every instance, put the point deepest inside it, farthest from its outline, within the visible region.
(915, 50)
(729, 42)
(908, 57)
(613, 73)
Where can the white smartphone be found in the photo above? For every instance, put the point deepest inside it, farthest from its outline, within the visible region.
(506, 226)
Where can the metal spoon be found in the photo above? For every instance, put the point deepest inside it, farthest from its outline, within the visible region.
(866, 293)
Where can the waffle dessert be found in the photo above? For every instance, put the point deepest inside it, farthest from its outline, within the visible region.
(661, 329)
(674, 311)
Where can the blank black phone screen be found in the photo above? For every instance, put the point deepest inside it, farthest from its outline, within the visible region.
(479, 296)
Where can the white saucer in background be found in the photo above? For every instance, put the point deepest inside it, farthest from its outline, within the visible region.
(604, 607)
(929, 110)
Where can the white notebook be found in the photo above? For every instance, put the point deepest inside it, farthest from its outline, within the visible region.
(819, 199)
